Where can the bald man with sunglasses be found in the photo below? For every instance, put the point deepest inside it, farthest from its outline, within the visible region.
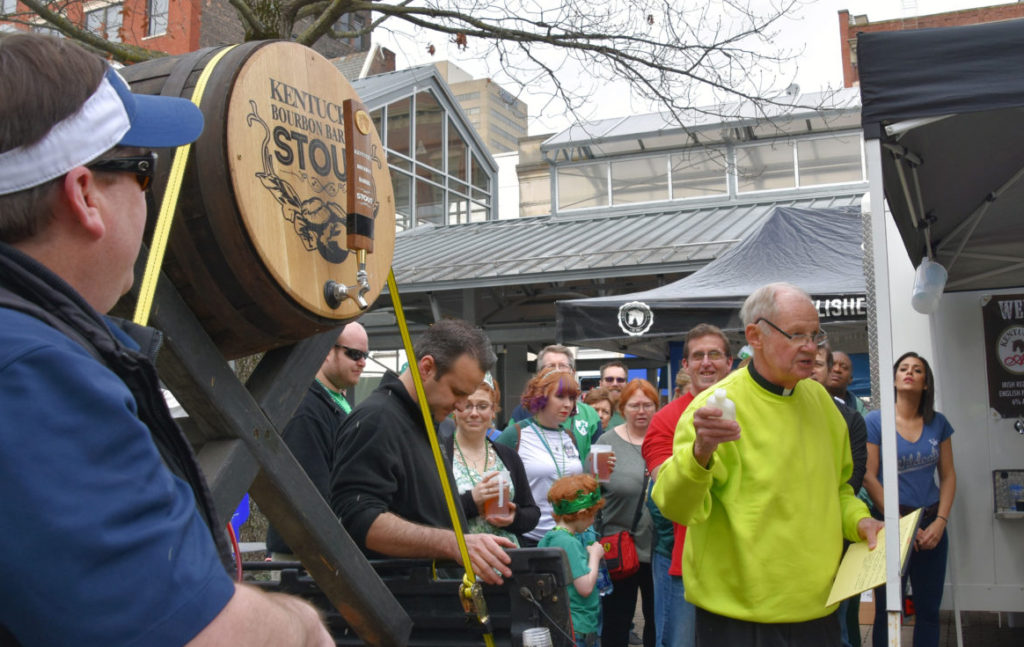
(312, 433)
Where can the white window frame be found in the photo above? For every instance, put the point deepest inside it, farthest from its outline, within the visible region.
(105, 7)
(150, 14)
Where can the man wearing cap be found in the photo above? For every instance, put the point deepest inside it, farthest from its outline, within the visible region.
(107, 520)
(312, 432)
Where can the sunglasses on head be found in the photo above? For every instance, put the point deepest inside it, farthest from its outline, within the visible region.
(143, 166)
(353, 354)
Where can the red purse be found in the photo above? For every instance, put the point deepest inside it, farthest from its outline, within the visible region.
(620, 548)
(620, 555)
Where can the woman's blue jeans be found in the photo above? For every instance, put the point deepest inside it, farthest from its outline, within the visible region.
(927, 573)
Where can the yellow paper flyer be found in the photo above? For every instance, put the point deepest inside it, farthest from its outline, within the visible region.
(863, 569)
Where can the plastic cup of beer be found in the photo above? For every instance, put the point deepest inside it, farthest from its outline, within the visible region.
(599, 462)
(498, 504)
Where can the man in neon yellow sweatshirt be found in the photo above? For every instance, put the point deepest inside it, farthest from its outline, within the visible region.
(765, 497)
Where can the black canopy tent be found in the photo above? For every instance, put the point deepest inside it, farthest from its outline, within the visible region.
(946, 106)
(943, 118)
(817, 249)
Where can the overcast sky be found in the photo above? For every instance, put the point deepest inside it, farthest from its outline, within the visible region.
(812, 33)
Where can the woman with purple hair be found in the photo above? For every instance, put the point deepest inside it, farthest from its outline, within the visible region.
(548, 452)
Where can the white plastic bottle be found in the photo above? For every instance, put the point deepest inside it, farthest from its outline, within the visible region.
(719, 400)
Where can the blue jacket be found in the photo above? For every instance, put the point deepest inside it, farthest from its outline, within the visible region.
(107, 516)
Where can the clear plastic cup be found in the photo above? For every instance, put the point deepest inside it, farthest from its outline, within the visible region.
(499, 504)
(599, 462)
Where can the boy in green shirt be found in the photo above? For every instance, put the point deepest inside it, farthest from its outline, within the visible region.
(576, 500)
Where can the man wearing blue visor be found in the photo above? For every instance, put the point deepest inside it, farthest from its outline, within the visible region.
(109, 536)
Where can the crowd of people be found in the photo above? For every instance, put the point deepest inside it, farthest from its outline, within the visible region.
(711, 495)
(673, 468)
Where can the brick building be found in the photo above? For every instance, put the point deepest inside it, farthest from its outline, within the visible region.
(175, 27)
(850, 26)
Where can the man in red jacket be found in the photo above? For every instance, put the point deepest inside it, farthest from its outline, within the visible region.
(706, 360)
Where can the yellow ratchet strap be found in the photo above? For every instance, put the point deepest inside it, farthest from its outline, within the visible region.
(470, 592)
(170, 202)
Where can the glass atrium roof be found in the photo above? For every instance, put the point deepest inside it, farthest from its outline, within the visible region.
(800, 114)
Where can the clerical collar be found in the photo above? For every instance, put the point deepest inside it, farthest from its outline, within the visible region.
(763, 382)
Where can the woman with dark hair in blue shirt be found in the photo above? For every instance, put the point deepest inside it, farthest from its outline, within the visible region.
(923, 447)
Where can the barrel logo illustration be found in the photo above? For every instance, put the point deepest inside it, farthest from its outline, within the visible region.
(309, 176)
(308, 151)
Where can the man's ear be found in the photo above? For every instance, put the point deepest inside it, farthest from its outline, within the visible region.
(427, 367)
(81, 197)
(754, 335)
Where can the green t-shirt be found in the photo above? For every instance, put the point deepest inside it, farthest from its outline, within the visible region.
(338, 398)
(586, 611)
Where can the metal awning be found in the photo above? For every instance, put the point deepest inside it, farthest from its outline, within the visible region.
(737, 121)
(604, 246)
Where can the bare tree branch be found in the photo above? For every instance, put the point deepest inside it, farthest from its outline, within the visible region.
(251, 22)
(54, 15)
(322, 24)
(675, 56)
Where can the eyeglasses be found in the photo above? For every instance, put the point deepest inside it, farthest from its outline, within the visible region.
(353, 354)
(482, 407)
(712, 355)
(143, 166)
(614, 380)
(818, 339)
(641, 406)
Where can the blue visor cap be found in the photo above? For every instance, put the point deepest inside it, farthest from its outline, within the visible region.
(156, 121)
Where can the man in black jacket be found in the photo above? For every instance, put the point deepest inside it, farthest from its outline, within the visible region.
(839, 378)
(854, 421)
(385, 487)
(312, 433)
(849, 609)
(105, 512)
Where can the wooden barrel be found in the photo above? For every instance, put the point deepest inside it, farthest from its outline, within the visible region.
(273, 204)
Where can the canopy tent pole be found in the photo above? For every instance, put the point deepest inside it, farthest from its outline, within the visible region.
(975, 218)
(897, 130)
(954, 580)
(1016, 264)
(883, 335)
(901, 153)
